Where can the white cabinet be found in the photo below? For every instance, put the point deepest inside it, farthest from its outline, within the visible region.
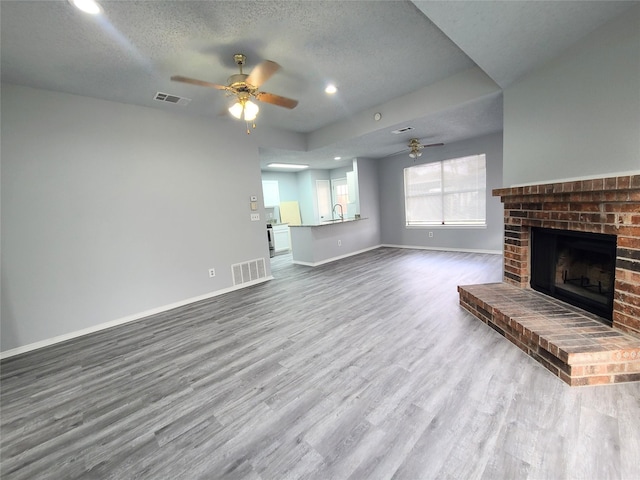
(281, 238)
(271, 193)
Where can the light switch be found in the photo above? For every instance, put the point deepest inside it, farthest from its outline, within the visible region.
(254, 205)
(255, 217)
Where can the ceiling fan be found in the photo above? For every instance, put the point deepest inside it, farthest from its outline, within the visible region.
(245, 87)
(415, 148)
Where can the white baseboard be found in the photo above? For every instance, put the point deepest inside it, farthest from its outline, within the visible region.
(123, 320)
(444, 249)
(164, 308)
(333, 259)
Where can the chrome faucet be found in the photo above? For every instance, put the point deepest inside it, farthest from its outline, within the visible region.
(341, 212)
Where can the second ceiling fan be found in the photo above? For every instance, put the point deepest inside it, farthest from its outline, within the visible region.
(246, 87)
(415, 147)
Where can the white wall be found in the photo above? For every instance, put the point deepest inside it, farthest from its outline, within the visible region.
(109, 210)
(579, 115)
(392, 215)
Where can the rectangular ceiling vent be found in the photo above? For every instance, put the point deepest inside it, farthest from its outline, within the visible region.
(248, 271)
(402, 130)
(165, 97)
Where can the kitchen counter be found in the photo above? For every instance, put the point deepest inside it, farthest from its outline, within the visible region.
(315, 244)
(337, 221)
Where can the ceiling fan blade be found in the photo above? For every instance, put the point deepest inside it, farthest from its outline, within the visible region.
(434, 145)
(201, 83)
(262, 72)
(404, 150)
(276, 100)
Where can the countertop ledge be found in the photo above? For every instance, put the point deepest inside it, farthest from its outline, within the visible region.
(330, 222)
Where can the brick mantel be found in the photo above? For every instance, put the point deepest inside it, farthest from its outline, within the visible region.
(606, 205)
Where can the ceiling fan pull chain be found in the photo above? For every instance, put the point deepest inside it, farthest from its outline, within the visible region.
(249, 129)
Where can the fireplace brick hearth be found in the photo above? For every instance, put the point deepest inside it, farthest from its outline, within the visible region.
(606, 205)
(569, 342)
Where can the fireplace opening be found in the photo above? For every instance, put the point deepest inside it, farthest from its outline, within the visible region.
(575, 267)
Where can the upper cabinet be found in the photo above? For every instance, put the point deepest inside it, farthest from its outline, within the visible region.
(271, 193)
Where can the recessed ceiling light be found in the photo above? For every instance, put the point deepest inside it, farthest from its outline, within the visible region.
(87, 6)
(337, 158)
(287, 165)
(331, 89)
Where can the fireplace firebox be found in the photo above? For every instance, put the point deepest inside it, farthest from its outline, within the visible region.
(575, 267)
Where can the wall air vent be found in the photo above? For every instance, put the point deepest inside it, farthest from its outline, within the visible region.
(165, 97)
(402, 130)
(248, 271)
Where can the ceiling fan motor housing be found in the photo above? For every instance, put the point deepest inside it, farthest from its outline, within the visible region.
(415, 144)
(238, 82)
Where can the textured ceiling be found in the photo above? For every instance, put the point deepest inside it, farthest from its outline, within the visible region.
(374, 51)
(507, 39)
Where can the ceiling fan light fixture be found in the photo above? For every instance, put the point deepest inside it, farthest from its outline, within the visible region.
(244, 110)
(236, 110)
(250, 111)
(88, 6)
(416, 148)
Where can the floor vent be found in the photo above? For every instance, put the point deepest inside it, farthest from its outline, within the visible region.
(248, 271)
(165, 97)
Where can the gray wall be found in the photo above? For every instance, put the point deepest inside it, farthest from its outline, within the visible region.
(579, 115)
(109, 210)
(391, 187)
(369, 197)
(340, 172)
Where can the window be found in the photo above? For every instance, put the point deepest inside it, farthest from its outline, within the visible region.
(451, 192)
(340, 196)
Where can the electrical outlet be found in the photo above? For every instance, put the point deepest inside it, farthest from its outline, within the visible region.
(212, 272)
(430, 234)
(255, 217)
(339, 243)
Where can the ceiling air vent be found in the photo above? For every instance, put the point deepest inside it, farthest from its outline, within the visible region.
(402, 130)
(165, 97)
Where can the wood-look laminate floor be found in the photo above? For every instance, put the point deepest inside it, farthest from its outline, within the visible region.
(365, 368)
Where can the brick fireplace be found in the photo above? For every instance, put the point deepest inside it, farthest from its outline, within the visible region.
(609, 206)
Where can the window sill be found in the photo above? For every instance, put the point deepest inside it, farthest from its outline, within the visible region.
(446, 227)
